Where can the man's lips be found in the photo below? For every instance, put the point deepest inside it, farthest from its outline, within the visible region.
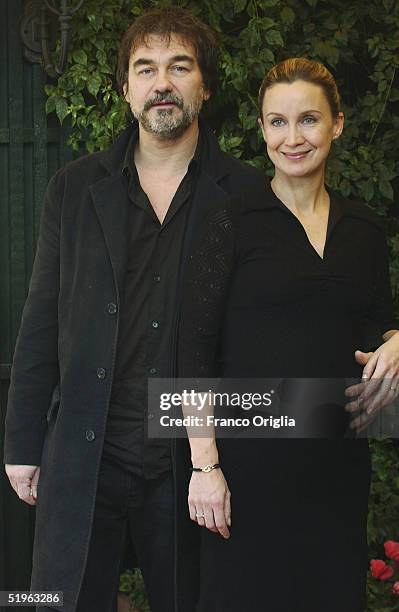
(163, 104)
(296, 155)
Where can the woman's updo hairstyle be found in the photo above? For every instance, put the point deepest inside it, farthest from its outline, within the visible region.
(300, 68)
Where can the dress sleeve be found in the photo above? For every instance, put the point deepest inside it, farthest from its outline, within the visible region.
(383, 312)
(206, 281)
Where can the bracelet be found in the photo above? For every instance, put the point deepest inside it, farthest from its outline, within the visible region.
(206, 468)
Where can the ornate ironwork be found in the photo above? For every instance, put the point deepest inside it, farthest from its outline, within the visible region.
(38, 32)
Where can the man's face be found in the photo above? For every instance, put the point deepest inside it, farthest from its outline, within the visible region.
(165, 89)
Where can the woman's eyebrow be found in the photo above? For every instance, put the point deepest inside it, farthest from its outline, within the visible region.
(302, 113)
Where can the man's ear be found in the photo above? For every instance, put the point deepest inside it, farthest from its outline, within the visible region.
(126, 92)
(206, 94)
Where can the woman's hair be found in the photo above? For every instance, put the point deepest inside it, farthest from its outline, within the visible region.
(167, 22)
(300, 68)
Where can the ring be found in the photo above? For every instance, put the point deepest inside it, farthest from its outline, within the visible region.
(393, 388)
(199, 515)
(30, 492)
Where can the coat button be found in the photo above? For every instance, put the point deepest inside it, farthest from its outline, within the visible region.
(90, 435)
(101, 373)
(152, 370)
(157, 278)
(155, 324)
(112, 308)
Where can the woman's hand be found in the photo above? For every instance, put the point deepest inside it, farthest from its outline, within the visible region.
(380, 382)
(209, 501)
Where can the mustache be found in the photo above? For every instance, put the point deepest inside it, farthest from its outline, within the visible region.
(167, 97)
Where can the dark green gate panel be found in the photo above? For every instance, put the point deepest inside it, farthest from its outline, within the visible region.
(32, 147)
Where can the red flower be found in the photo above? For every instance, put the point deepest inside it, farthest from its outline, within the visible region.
(392, 550)
(380, 570)
(395, 588)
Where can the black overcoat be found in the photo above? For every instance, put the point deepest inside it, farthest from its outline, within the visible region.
(64, 359)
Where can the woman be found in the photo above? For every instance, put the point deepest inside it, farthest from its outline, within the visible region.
(308, 285)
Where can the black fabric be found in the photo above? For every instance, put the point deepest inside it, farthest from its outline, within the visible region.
(146, 319)
(299, 507)
(141, 510)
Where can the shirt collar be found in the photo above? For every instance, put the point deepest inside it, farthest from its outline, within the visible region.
(129, 167)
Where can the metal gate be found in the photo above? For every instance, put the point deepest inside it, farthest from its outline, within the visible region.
(32, 147)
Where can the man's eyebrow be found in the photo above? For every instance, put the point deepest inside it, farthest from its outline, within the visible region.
(182, 58)
(143, 61)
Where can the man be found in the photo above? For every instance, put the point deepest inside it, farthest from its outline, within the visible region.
(101, 318)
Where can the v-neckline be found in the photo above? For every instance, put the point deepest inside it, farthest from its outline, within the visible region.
(330, 223)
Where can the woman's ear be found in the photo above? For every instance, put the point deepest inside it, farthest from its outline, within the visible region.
(260, 123)
(338, 125)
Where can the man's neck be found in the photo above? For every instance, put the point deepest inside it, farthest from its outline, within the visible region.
(168, 158)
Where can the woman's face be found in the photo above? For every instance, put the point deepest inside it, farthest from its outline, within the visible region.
(298, 127)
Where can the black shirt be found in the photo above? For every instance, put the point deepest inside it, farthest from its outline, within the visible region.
(146, 321)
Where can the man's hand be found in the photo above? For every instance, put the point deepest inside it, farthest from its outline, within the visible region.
(209, 495)
(380, 383)
(24, 480)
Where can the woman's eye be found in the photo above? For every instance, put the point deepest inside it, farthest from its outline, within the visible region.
(309, 119)
(277, 122)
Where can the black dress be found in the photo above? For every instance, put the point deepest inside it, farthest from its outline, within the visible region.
(299, 506)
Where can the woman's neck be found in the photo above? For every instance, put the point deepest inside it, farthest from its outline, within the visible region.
(302, 195)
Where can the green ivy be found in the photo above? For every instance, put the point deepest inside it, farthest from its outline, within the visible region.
(357, 40)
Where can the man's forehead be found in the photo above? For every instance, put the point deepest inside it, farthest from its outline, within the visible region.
(155, 45)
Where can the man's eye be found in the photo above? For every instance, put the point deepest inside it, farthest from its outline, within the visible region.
(179, 68)
(145, 71)
(277, 122)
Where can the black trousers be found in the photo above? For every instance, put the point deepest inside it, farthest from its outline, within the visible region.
(128, 505)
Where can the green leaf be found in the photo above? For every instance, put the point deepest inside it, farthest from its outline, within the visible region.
(61, 108)
(385, 188)
(93, 84)
(269, 3)
(367, 190)
(239, 5)
(50, 105)
(80, 56)
(266, 23)
(287, 15)
(273, 37)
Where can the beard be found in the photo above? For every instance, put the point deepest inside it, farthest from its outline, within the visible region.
(164, 123)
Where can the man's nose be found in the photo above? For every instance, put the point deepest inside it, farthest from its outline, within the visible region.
(294, 135)
(163, 82)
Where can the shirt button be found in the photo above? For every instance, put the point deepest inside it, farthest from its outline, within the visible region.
(101, 373)
(157, 278)
(112, 308)
(150, 416)
(152, 370)
(155, 324)
(90, 435)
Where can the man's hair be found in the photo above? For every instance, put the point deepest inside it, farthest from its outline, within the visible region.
(302, 69)
(167, 22)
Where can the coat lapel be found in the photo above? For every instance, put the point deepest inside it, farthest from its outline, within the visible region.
(111, 201)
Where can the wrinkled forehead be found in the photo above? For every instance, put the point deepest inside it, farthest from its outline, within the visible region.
(162, 46)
